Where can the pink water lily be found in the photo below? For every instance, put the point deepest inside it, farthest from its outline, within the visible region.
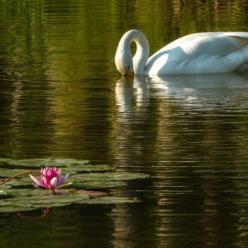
(50, 178)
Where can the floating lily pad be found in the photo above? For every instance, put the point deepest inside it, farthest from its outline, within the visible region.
(5, 173)
(96, 185)
(19, 194)
(71, 166)
(110, 176)
(4, 194)
(110, 200)
(37, 162)
(104, 180)
(40, 201)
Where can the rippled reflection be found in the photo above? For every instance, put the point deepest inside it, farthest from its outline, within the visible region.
(126, 91)
(59, 96)
(189, 90)
(197, 154)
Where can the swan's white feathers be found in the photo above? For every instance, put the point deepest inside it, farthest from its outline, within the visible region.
(211, 52)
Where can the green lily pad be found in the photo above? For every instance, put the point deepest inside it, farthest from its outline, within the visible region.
(42, 162)
(96, 185)
(71, 166)
(41, 201)
(5, 173)
(37, 162)
(104, 180)
(18, 194)
(110, 200)
(4, 194)
(110, 176)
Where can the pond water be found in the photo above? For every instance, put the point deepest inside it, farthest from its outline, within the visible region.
(61, 96)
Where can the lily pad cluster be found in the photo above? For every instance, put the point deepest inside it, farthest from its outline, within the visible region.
(87, 184)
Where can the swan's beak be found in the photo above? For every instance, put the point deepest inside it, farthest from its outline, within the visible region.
(129, 74)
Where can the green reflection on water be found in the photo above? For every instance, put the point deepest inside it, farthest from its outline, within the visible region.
(58, 98)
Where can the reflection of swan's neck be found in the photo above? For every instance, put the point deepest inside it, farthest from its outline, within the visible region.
(142, 50)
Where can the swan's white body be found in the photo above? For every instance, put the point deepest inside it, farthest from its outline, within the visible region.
(199, 53)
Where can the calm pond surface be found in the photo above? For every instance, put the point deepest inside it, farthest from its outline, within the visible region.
(61, 96)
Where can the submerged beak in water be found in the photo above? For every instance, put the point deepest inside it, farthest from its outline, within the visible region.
(129, 74)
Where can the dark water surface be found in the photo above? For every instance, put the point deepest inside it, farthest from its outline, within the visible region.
(60, 96)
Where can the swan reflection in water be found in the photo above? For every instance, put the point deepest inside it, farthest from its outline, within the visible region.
(127, 92)
(172, 128)
(199, 91)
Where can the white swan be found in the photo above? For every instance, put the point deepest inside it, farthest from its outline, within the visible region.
(199, 53)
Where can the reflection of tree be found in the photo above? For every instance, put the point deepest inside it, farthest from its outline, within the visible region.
(23, 62)
(197, 186)
(200, 177)
(194, 185)
(79, 38)
(56, 98)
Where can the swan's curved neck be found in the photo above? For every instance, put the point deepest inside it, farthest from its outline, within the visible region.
(142, 50)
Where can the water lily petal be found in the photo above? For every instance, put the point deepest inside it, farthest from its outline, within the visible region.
(61, 180)
(66, 176)
(53, 183)
(45, 182)
(50, 178)
(37, 182)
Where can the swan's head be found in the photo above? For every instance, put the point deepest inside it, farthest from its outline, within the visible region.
(127, 64)
(124, 61)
